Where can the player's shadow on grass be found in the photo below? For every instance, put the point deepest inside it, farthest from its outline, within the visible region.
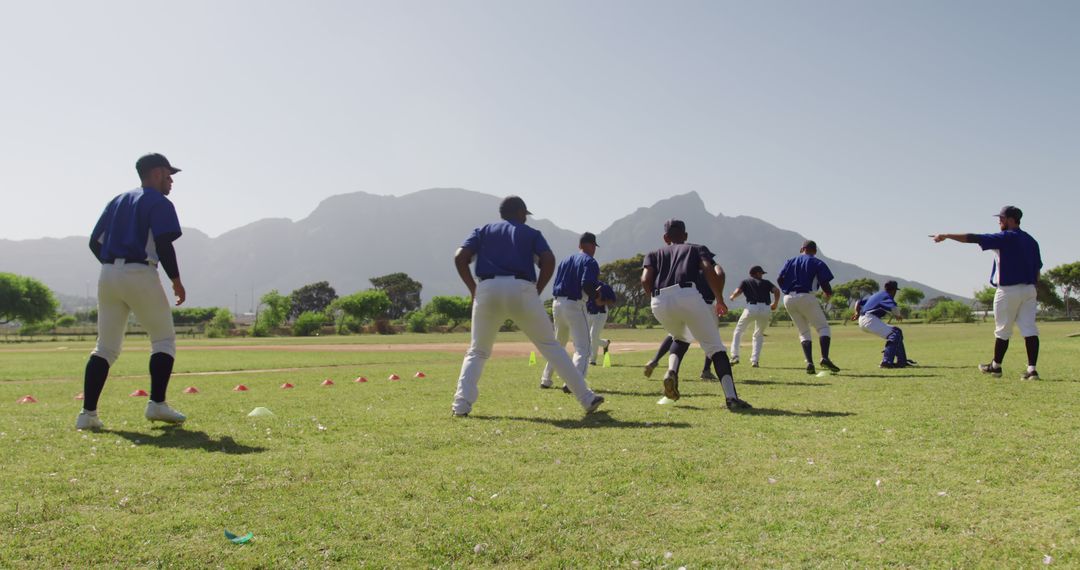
(897, 376)
(789, 413)
(656, 393)
(776, 383)
(180, 438)
(590, 421)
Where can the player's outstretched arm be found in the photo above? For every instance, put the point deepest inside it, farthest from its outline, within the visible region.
(716, 283)
(735, 294)
(962, 238)
(462, 258)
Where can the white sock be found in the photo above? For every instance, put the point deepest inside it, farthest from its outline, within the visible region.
(995, 364)
(1031, 368)
(673, 361)
(729, 386)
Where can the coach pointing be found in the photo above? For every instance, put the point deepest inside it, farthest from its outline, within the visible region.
(1015, 273)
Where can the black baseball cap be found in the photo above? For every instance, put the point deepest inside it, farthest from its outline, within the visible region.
(1010, 212)
(511, 204)
(809, 244)
(891, 285)
(756, 269)
(151, 161)
(588, 237)
(674, 225)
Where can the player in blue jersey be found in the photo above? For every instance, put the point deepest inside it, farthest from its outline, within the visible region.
(596, 307)
(576, 281)
(798, 279)
(132, 237)
(507, 254)
(1015, 273)
(870, 311)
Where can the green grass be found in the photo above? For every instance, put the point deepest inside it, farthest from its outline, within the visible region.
(934, 467)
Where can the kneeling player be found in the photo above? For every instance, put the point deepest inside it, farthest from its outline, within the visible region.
(870, 310)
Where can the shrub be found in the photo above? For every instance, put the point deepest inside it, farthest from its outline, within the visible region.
(221, 325)
(308, 323)
(416, 322)
(949, 310)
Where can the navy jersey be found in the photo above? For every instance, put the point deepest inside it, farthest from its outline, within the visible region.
(574, 273)
(506, 248)
(757, 290)
(606, 293)
(1018, 260)
(804, 274)
(678, 263)
(131, 221)
(879, 304)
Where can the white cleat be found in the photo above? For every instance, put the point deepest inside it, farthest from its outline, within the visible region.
(88, 420)
(163, 413)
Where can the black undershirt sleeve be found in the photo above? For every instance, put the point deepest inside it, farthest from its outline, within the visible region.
(95, 246)
(167, 254)
(827, 288)
(973, 238)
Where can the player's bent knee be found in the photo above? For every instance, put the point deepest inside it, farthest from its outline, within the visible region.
(109, 356)
(165, 345)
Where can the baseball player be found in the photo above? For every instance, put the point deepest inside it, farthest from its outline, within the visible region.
(1015, 273)
(509, 288)
(758, 310)
(132, 237)
(576, 280)
(665, 345)
(870, 310)
(798, 279)
(670, 276)
(596, 307)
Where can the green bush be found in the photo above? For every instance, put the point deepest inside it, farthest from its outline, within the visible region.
(417, 322)
(308, 323)
(221, 325)
(949, 310)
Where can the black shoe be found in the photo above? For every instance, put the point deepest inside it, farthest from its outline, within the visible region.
(594, 405)
(546, 386)
(454, 414)
(810, 369)
(735, 404)
(887, 365)
(1033, 375)
(671, 385)
(708, 376)
(829, 364)
(911, 362)
(734, 360)
(990, 369)
(566, 389)
(649, 367)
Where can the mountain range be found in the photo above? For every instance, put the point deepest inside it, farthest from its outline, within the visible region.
(350, 238)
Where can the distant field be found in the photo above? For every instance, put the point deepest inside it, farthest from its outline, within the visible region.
(937, 466)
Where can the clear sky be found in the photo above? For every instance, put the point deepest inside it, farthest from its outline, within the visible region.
(865, 125)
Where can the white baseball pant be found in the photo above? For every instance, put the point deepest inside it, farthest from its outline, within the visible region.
(596, 326)
(1015, 304)
(571, 321)
(805, 312)
(759, 314)
(125, 288)
(504, 298)
(874, 325)
(680, 309)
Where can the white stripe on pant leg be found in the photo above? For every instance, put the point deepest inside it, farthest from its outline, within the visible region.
(487, 315)
(113, 314)
(528, 313)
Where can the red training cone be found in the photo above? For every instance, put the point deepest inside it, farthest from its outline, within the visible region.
(191, 390)
(140, 393)
(27, 399)
(360, 379)
(419, 375)
(328, 382)
(395, 377)
(79, 396)
(240, 388)
(286, 386)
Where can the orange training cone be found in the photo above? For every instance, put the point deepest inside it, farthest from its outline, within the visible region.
(27, 399)
(191, 390)
(360, 379)
(395, 377)
(419, 375)
(240, 388)
(286, 386)
(140, 393)
(328, 382)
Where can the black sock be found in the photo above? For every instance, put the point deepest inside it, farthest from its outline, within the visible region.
(808, 351)
(97, 371)
(723, 371)
(1000, 346)
(160, 370)
(708, 363)
(678, 350)
(1032, 345)
(664, 348)
(825, 342)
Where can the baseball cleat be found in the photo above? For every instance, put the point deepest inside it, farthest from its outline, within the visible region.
(545, 386)
(736, 404)
(810, 369)
(594, 405)
(456, 414)
(607, 344)
(753, 365)
(990, 369)
(887, 365)
(734, 360)
(161, 412)
(566, 389)
(88, 420)
(707, 375)
(649, 367)
(671, 385)
(592, 363)
(1033, 375)
(829, 364)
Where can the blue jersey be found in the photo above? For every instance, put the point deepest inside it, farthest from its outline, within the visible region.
(574, 273)
(879, 304)
(606, 293)
(131, 221)
(804, 274)
(506, 248)
(1018, 261)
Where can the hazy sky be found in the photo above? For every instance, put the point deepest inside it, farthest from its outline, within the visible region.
(865, 125)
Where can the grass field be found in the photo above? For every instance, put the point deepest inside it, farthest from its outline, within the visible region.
(936, 466)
